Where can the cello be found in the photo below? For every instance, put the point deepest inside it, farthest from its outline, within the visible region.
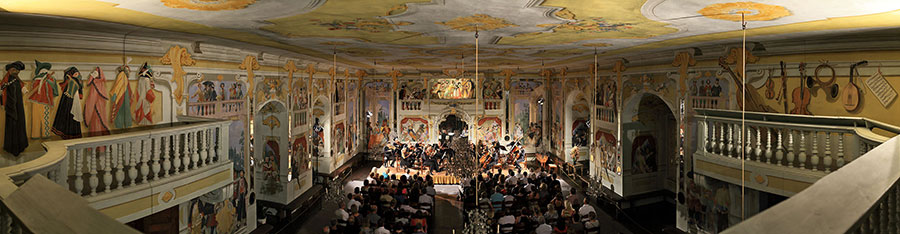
(801, 95)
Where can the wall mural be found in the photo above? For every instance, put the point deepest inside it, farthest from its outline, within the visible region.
(210, 91)
(411, 90)
(352, 114)
(271, 162)
(490, 129)
(556, 126)
(608, 156)
(414, 130)
(461, 88)
(644, 154)
(527, 111)
(338, 139)
(339, 96)
(270, 134)
(378, 95)
(299, 155)
(214, 216)
(270, 88)
(492, 89)
(237, 155)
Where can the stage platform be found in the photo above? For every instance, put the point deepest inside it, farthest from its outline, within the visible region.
(440, 177)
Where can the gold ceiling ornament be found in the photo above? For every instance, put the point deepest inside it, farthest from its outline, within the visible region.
(565, 14)
(482, 22)
(177, 56)
(208, 5)
(599, 44)
(752, 11)
(249, 64)
(396, 9)
(394, 74)
(683, 60)
(220, 77)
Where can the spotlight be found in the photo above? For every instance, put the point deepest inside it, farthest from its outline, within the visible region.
(368, 114)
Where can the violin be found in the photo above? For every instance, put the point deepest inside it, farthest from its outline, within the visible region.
(801, 95)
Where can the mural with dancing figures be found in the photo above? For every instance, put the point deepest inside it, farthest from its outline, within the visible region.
(414, 130)
(378, 112)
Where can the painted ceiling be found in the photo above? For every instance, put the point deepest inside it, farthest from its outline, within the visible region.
(436, 34)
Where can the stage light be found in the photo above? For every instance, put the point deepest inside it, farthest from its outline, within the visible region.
(368, 114)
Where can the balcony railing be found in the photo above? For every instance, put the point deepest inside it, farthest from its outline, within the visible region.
(411, 105)
(217, 109)
(491, 104)
(108, 170)
(861, 197)
(802, 142)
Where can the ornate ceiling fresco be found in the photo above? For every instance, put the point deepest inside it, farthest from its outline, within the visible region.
(437, 34)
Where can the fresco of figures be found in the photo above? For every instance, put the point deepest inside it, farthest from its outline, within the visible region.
(580, 115)
(492, 89)
(490, 129)
(708, 86)
(339, 96)
(556, 126)
(300, 96)
(452, 88)
(606, 151)
(352, 116)
(270, 88)
(413, 130)
(299, 155)
(411, 90)
(338, 139)
(378, 104)
(644, 154)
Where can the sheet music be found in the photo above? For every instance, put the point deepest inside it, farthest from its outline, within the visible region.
(881, 89)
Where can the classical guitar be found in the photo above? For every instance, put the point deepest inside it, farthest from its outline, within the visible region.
(850, 94)
(801, 94)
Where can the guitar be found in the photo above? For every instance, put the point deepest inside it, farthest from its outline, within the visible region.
(752, 97)
(851, 92)
(801, 95)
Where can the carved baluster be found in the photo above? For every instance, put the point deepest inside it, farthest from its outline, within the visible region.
(826, 161)
(204, 150)
(759, 150)
(78, 154)
(769, 145)
(779, 151)
(840, 152)
(132, 162)
(154, 152)
(120, 160)
(107, 170)
(213, 147)
(188, 150)
(730, 140)
(882, 216)
(93, 181)
(711, 137)
(166, 164)
(177, 154)
(802, 154)
(720, 145)
(746, 142)
(814, 157)
(145, 157)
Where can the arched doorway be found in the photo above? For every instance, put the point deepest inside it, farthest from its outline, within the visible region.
(450, 128)
(650, 144)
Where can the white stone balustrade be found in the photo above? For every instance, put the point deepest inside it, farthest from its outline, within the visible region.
(809, 143)
(216, 109)
(98, 165)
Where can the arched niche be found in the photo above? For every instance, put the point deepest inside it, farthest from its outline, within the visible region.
(321, 112)
(577, 113)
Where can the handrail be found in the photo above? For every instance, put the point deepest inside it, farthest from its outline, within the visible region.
(861, 197)
(806, 119)
(57, 150)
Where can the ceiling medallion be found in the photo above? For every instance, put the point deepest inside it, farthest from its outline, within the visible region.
(752, 11)
(480, 21)
(208, 5)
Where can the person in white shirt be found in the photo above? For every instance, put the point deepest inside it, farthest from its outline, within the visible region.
(425, 199)
(430, 190)
(382, 230)
(507, 220)
(544, 229)
(592, 221)
(351, 201)
(341, 213)
(586, 209)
